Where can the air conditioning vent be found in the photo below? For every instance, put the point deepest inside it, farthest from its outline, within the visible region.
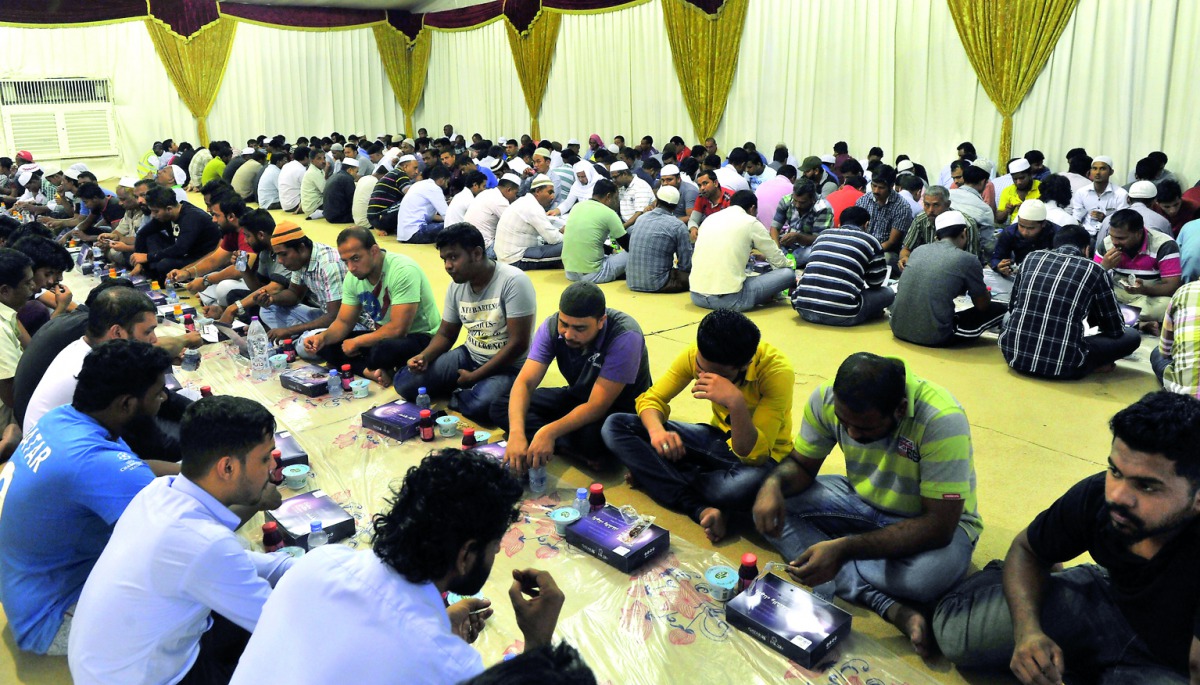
(59, 118)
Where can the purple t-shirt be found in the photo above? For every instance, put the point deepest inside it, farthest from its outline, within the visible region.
(618, 354)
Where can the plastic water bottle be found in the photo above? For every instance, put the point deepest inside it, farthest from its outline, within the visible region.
(335, 383)
(243, 261)
(173, 297)
(316, 536)
(259, 349)
(423, 401)
(537, 480)
(581, 503)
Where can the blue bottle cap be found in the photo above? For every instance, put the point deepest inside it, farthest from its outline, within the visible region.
(333, 373)
(314, 526)
(422, 390)
(581, 493)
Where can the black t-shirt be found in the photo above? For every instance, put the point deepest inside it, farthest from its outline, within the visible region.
(338, 198)
(1159, 597)
(45, 345)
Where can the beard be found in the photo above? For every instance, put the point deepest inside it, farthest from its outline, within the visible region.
(473, 581)
(1136, 529)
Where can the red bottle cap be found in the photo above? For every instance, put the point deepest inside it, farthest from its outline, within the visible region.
(270, 527)
(346, 367)
(187, 318)
(466, 431)
(287, 341)
(425, 413)
(277, 454)
(749, 559)
(596, 489)
(205, 390)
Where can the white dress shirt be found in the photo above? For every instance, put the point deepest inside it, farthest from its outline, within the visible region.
(172, 560)
(363, 188)
(970, 202)
(290, 178)
(1078, 181)
(1058, 215)
(524, 225)
(57, 385)
(485, 212)
(729, 178)
(457, 211)
(420, 203)
(723, 247)
(268, 186)
(1086, 200)
(635, 198)
(355, 605)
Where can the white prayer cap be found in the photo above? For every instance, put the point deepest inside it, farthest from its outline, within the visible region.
(247, 151)
(24, 177)
(828, 159)
(518, 165)
(612, 147)
(669, 170)
(618, 166)
(127, 182)
(1032, 210)
(984, 164)
(905, 165)
(409, 141)
(1104, 159)
(337, 147)
(573, 141)
(543, 152)
(391, 153)
(1143, 190)
(72, 174)
(1018, 165)
(511, 178)
(948, 219)
(386, 164)
(79, 166)
(502, 141)
(541, 180)
(405, 159)
(350, 161)
(50, 170)
(179, 174)
(669, 194)
(496, 165)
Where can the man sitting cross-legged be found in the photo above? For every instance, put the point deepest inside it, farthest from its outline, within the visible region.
(898, 531)
(710, 470)
(1129, 617)
(602, 355)
(497, 304)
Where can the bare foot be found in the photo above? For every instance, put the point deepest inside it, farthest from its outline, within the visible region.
(382, 234)
(713, 523)
(1106, 368)
(914, 625)
(629, 480)
(1149, 328)
(383, 378)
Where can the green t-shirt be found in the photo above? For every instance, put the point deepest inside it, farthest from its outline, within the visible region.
(212, 170)
(589, 225)
(402, 282)
(928, 455)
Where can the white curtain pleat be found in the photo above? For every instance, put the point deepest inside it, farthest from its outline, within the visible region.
(809, 74)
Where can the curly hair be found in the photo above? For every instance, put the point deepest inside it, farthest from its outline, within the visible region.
(450, 498)
(1163, 423)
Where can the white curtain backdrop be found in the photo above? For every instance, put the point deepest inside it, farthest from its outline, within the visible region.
(810, 73)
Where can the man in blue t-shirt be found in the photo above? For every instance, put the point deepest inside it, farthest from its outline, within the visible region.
(68, 483)
(602, 355)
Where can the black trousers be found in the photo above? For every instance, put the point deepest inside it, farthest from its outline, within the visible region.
(390, 355)
(547, 405)
(220, 648)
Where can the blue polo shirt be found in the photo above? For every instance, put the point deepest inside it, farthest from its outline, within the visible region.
(60, 497)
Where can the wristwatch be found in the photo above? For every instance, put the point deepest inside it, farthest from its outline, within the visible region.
(205, 281)
(241, 310)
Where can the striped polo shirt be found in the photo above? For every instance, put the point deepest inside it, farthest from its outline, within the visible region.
(928, 454)
(843, 263)
(1157, 258)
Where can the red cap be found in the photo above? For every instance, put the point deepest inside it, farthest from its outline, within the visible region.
(596, 488)
(287, 341)
(425, 413)
(270, 527)
(345, 367)
(25, 155)
(187, 317)
(749, 559)
(467, 431)
(276, 453)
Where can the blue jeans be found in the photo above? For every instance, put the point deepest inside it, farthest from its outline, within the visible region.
(755, 290)
(1159, 363)
(874, 301)
(974, 628)
(441, 378)
(612, 269)
(426, 234)
(540, 257)
(802, 255)
(710, 475)
(830, 509)
(277, 316)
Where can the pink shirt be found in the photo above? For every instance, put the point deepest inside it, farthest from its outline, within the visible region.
(769, 194)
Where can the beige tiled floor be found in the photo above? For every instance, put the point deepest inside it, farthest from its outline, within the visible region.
(1032, 439)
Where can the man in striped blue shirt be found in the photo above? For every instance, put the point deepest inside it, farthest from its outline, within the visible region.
(843, 282)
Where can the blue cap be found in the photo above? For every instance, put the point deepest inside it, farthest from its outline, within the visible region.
(422, 390)
(333, 372)
(314, 526)
(581, 493)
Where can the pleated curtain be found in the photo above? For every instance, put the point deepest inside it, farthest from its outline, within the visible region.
(406, 63)
(533, 53)
(195, 64)
(705, 48)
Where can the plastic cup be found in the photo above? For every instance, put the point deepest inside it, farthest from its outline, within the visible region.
(295, 477)
(360, 386)
(278, 361)
(481, 437)
(447, 426)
